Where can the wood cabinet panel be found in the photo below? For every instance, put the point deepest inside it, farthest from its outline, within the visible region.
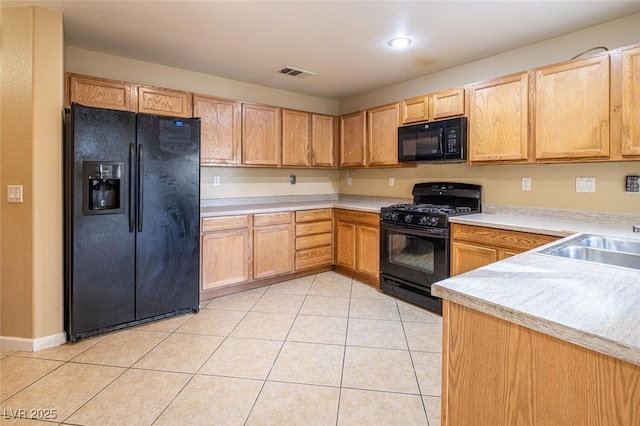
(346, 245)
(382, 135)
(210, 224)
(266, 219)
(476, 246)
(534, 378)
(225, 259)
(447, 103)
(313, 215)
(156, 100)
(368, 251)
(631, 102)
(314, 240)
(571, 115)
(219, 129)
(311, 228)
(260, 135)
(323, 140)
(272, 250)
(100, 93)
(499, 120)
(415, 109)
(353, 140)
(313, 257)
(296, 138)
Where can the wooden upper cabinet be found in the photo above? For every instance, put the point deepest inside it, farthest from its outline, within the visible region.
(435, 106)
(101, 93)
(323, 140)
(260, 135)
(447, 103)
(571, 115)
(499, 119)
(631, 102)
(296, 138)
(156, 100)
(415, 109)
(219, 129)
(382, 135)
(353, 141)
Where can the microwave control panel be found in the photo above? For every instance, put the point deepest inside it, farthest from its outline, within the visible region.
(452, 141)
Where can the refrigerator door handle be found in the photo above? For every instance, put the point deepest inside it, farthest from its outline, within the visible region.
(132, 210)
(140, 185)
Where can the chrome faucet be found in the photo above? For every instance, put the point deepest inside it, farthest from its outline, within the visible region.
(636, 228)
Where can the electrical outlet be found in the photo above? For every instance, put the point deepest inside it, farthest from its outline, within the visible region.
(216, 181)
(585, 184)
(349, 181)
(526, 184)
(392, 181)
(14, 194)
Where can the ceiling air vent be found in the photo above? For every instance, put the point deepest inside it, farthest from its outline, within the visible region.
(296, 72)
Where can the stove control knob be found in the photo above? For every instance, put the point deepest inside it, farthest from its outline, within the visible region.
(423, 220)
(394, 216)
(408, 218)
(386, 215)
(433, 221)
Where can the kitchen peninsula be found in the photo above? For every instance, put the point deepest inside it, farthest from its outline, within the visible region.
(543, 339)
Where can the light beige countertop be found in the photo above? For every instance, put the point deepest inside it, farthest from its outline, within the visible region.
(225, 207)
(592, 305)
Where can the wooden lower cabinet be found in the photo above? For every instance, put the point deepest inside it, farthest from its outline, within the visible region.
(357, 245)
(314, 239)
(497, 373)
(225, 244)
(272, 244)
(475, 246)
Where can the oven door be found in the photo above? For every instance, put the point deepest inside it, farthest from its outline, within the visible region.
(419, 256)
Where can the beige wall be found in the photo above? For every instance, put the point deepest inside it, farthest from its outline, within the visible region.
(31, 155)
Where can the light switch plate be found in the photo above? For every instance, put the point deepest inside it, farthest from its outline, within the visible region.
(526, 184)
(14, 193)
(585, 184)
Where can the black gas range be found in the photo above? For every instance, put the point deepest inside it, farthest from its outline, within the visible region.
(414, 239)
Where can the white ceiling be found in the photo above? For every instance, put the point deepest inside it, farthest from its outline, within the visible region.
(342, 42)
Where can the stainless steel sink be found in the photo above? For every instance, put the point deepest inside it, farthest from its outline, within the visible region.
(612, 251)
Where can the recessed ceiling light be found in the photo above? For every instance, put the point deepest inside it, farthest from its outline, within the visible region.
(399, 42)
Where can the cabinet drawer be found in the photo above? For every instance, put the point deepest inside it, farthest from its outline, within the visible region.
(264, 219)
(359, 217)
(211, 224)
(313, 215)
(521, 241)
(310, 258)
(312, 228)
(310, 241)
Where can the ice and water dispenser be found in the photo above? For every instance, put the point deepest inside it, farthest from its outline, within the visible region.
(103, 191)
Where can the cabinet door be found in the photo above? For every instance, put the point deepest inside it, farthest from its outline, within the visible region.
(260, 135)
(447, 103)
(353, 139)
(368, 251)
(272, 251)
(631, 102)
(498, 120)
(415, 109)
(224, 258)
(571, 116)
(382, 135)
(296, 138)
(101, 93)
(219, 129)
(323, 141)
(346, 245)
(155, 100)
(466, 257)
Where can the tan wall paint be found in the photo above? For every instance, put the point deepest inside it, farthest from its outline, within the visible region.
(553, 185)
(118, 68)
(31, 239)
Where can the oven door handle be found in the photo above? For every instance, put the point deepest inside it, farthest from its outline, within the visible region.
(432, 232)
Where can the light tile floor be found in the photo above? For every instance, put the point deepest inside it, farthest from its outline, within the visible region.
(318, 350)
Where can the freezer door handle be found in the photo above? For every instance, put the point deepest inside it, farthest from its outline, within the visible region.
(132, 210)
(140, 185)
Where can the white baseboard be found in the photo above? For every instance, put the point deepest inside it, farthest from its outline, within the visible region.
(33, 345)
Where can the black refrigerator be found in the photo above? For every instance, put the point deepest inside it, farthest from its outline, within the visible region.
(132, 214)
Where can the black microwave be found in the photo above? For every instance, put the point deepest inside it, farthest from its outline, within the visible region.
(436, 141)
